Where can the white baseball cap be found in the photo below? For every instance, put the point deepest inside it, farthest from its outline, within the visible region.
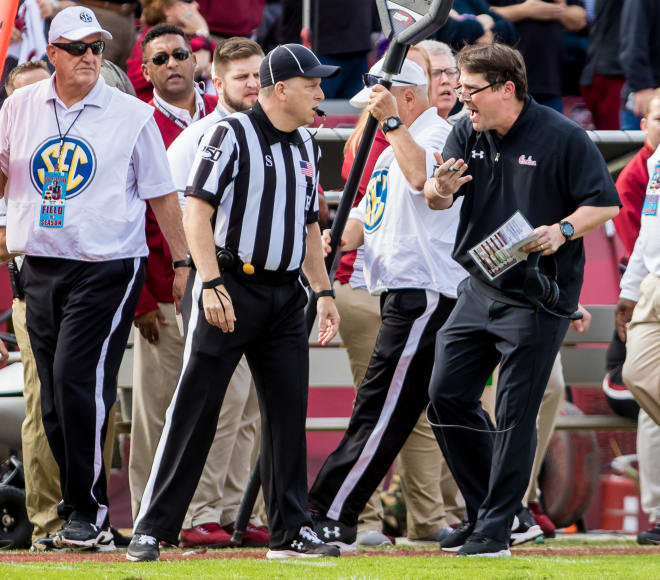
(411, 75)
(75, 23)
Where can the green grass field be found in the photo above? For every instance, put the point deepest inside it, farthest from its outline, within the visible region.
(356, 568)
(563, 560)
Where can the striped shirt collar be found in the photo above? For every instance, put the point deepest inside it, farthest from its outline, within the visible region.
(271, 133)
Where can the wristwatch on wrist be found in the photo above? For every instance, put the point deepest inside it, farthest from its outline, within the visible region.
(567, 229)
(322, 293)
(392, 123)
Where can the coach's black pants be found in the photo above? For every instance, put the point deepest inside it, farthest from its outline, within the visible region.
(270, 330)
(492, 469)
(79, 315)
(393, 394)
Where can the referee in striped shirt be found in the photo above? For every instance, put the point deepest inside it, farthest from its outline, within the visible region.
(251, 220)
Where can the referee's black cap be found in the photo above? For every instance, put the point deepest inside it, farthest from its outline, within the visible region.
(292, 60)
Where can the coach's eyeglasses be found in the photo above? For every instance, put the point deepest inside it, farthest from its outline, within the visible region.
(451, 72)
(370, 80)
(162, 58)
(79, 48)
(466, 96)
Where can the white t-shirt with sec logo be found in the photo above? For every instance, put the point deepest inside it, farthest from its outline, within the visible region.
(112, 160)
(406, 244)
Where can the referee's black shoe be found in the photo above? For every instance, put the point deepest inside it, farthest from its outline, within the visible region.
(80, 535)
(143, 548)
(305, 545)
(454, 541)
(481, 545)
(336, 533)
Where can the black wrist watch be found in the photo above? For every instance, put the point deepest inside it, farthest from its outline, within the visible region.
(322, 293)
(392, 123)
(567, 229)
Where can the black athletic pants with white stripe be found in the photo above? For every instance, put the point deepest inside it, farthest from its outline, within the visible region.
(393, 394)
(492, 469)
(79, 315)
(270, 330)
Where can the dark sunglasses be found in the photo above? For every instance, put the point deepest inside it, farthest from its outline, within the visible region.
(80, 48)
(370, 80)
(162, 58)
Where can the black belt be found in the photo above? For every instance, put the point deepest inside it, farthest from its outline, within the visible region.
(228, 261)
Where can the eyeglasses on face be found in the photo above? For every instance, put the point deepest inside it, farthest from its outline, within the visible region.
(370, 80)
(162, 58)
(79, 48)
(466, 96)
(451, 72)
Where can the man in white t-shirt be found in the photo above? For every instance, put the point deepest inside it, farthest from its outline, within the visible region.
(638, 306)
(78, 159)
(407, 260)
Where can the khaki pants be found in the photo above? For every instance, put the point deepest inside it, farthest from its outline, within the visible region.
(545, 421)
(155, 375)
(641, 371)
(648, 451)
(424, 475)
(42, 476)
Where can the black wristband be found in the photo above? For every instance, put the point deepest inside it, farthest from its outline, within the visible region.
(180, 264)
(210, 284)
(322, 293)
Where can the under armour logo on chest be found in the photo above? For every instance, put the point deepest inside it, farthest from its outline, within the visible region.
(297, 545)
(328, 532)
(479, 154)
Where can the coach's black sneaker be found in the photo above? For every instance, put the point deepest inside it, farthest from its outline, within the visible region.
(525, 528)
(651, 536)
(143, 548)
(78, 534)
(336, 533)
(305, 545)
(480, 545)
(454, 541)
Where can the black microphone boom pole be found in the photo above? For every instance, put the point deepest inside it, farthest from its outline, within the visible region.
(404, 22)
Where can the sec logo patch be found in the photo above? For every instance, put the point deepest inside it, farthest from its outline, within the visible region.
(77, 158)
(376, 196)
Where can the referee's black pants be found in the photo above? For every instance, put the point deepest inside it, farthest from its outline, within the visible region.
(388, 403)
(79, 315)
(270, 330)
(492, 468)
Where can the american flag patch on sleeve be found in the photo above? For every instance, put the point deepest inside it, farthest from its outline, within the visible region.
(306, 168)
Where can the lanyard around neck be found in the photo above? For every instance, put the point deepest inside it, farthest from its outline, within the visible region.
(60, 161)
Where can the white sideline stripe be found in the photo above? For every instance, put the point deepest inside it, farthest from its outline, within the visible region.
(393, 393)
(102, 512)
(149, 489)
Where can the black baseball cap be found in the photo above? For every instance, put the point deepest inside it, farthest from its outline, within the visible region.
(292, 60)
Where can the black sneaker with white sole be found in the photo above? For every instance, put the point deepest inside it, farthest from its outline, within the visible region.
(143, 548)
(454, 541)
(480, 545)
(336, 533)
(305, 545)
(525, 528)
(78, 534)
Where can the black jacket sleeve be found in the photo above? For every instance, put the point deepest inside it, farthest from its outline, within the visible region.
(640, 48)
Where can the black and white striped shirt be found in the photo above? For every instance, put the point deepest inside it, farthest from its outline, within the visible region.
(263, 184)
